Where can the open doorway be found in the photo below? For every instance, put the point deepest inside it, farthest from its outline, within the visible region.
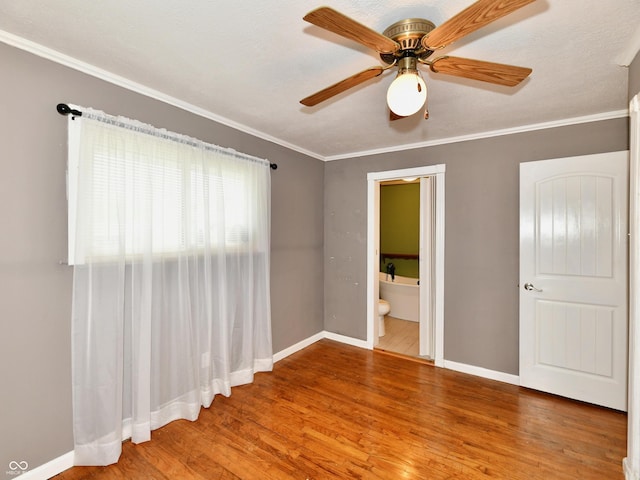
(399, 269)
(426, 291)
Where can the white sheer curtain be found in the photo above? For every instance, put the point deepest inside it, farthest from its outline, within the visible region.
(169, 238)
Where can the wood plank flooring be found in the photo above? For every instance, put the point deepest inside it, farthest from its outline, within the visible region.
(401, 336)
(335, 411)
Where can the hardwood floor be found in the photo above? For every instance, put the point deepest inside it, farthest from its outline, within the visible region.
(335, 411)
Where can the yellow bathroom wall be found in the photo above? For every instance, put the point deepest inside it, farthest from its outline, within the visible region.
(400, 226)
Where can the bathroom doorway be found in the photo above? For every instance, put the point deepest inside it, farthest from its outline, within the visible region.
(412, 273)
(399, 285)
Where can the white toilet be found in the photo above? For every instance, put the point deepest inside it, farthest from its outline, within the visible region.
(383, 308)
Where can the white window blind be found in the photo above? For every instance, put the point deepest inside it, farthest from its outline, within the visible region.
(134, 191)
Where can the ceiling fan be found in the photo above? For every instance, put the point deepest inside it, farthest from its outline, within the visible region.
(411, 42)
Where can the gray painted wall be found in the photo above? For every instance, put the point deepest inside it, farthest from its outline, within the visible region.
(35, 291)
(481, 230)
(308, 247)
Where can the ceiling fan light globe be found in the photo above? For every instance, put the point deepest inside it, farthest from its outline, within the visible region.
(406, 94)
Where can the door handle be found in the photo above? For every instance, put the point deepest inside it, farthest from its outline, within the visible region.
(529, 287)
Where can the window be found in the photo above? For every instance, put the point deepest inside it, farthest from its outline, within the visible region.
(156, 340)
(134, 191)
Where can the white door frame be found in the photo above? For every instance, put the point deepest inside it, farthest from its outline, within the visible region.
(425, 263)
(373, 257)
(631, 462)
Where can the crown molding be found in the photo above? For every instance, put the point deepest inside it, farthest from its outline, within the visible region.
(73, 63)
(495, 133)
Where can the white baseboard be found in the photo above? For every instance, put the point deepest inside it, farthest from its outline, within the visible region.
(49, 469)
(482, 372)
(355, 342)
(297, 347)
(458, 367)
(629, 474)
(313, 339)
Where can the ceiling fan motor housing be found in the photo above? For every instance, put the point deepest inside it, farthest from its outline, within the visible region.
(408, 33)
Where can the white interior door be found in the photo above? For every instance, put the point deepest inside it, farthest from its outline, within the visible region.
(573, 277)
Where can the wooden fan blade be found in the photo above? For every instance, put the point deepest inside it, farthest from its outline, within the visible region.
(336, 22)
(479, 14)
(497, 73)
(341, 86)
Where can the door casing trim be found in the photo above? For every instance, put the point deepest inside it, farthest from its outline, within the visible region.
(373, 241)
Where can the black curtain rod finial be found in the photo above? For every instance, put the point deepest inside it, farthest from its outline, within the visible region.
(274, 166)
(64, 109)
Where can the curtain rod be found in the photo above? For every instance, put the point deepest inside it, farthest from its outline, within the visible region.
(64, 109)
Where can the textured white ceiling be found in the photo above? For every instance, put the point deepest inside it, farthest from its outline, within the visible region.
(248, 63)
